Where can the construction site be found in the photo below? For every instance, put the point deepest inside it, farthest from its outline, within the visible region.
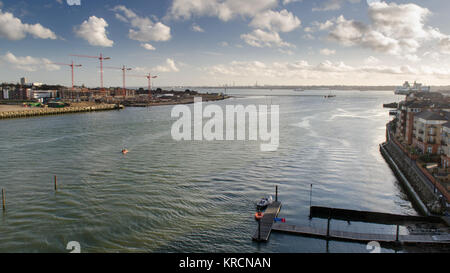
(55, 96)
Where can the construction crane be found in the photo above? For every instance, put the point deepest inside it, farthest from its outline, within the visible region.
(149, 77)
(101, 58)
(72, 65)
(124, 69)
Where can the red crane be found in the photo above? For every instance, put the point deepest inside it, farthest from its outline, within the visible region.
(149, 77)
(71, 66)
(101, 58)
(124, 69)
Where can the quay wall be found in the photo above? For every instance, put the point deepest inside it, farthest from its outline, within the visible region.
(56, 111)
(418, 190)
(417, 201)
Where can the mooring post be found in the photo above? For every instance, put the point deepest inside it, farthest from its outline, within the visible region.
(328, 224)
(259, 229)
(396, 236)
(56, 187)
(328, 227)
(3, 200)
(276, 193)
(310, 202)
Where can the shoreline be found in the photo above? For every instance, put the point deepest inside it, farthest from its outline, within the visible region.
(173, 102)
(9, 111)
(33, 112)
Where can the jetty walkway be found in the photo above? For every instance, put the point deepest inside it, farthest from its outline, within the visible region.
(57, 111)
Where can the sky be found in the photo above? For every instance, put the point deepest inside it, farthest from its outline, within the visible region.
(232, 42)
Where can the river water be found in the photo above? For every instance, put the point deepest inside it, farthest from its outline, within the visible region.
(193, 196)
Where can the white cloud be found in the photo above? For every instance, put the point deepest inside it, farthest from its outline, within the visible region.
(29, 63)
(326, 69)
(395, 29)
(93, 30)
(432, 55)
(286, 51)
(197, 28)
(74, 2)
(261, 38)
(148, 46)
(318, 26)
(144, 29)
(327, 52)
(223, 9)
(333, 5)
(444, 45)
(283, 21)
(371, 60)
(169, 66)
(12, 28)
(308, 36)
(285, 2)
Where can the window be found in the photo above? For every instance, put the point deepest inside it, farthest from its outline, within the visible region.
(430, 150)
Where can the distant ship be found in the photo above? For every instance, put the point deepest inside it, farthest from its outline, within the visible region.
(406, 88)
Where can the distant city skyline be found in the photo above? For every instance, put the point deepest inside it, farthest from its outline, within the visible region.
(218, 42)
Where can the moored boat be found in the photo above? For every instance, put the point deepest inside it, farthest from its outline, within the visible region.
(264, 202)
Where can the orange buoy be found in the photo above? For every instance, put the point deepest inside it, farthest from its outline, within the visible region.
(124, 151)
(259, 215)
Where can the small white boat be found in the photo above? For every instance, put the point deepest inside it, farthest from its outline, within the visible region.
(264, 202)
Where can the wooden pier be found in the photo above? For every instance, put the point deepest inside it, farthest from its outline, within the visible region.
(361, 237)
(370, 216)
(267, 224)
(264, 227)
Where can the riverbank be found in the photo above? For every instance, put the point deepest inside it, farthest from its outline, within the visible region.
(419, 190)
(171, 101)
(18, 111)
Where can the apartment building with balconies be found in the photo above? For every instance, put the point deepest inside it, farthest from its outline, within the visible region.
(428, 131)
(445, 141)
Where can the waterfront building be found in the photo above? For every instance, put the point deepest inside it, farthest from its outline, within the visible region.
(415, 103)
(41, 94)
(445, 157)
(428, 131)
(23, 81)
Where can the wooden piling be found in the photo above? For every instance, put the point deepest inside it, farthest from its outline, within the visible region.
(328, 227)
(276, 193)
(3, 200)
(310, 201)
(56, 186)
(398, 231)
(259, 229)
(328, 223)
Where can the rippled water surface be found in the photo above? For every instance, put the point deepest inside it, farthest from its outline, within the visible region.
(168, 196)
